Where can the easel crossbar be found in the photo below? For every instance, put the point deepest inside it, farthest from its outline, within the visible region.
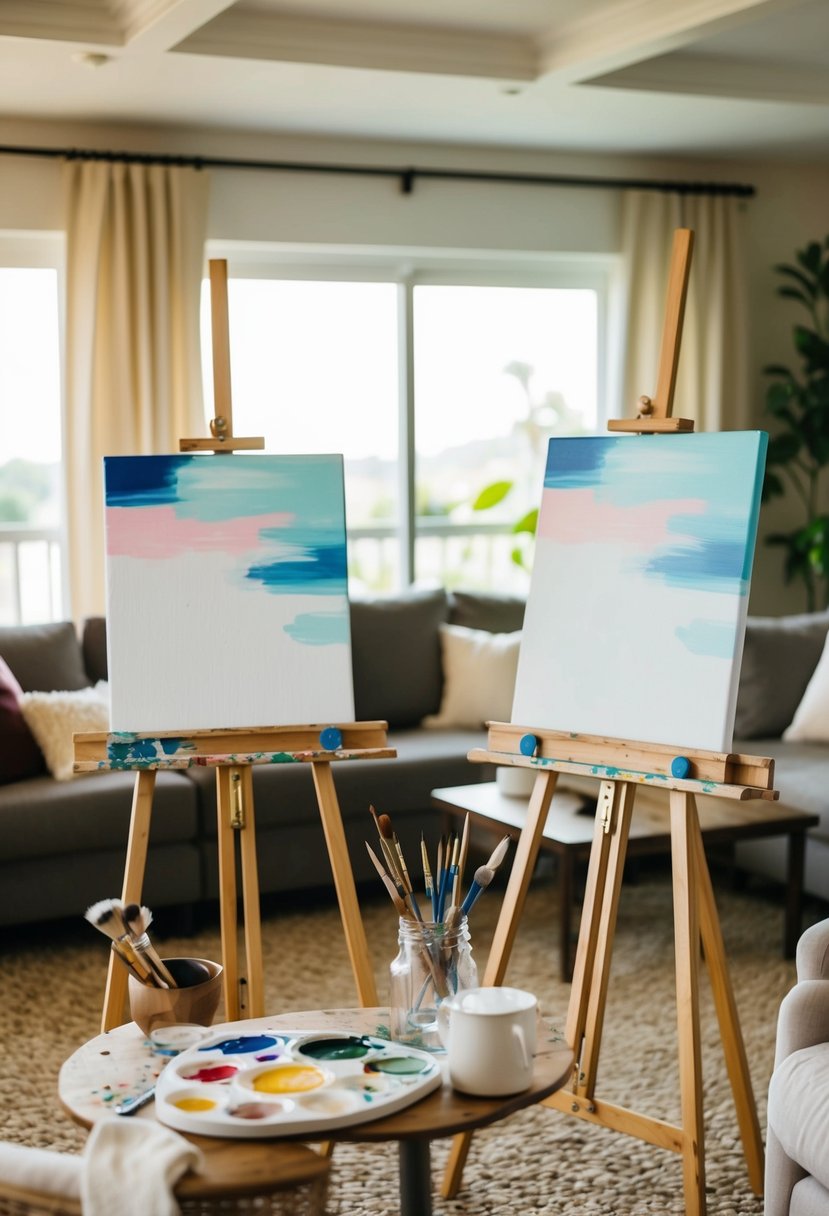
(619, 1119)
(653, 760)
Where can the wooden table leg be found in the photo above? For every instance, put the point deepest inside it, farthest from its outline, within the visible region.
(793, 922)
(228, 806)
(115, 996)
(415, 1177)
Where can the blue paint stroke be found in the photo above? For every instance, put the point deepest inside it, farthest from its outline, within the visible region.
(319, 569)
(702, 565)
(575, 462)
(320, 628)
(143, 481)
(715, 639)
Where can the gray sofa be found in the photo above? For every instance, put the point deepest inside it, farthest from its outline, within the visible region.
(62, 843)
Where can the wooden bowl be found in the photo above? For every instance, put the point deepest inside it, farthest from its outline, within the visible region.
(154, 1007)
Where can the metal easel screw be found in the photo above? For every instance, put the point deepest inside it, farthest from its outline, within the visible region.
(645, 406)
(237, 815)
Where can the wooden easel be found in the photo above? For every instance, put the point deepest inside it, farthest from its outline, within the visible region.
(621, 766)
(233, 753)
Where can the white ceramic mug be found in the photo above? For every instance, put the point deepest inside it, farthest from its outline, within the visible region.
(489, 1036)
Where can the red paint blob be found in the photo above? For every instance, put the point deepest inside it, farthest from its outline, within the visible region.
(215, 1072)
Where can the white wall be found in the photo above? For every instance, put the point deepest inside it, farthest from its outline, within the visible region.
(256, 205)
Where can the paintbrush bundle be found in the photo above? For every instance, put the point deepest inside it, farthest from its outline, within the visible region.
(435, 956)
(126, 927)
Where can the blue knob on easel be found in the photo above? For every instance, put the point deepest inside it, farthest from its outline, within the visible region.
(680, 767)
(331, 738)
(528, 745)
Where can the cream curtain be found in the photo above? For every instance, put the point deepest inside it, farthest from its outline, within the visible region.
(135, 253)
(712, 377)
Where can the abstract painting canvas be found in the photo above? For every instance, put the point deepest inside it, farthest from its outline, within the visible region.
(636, 613)
(227, 596)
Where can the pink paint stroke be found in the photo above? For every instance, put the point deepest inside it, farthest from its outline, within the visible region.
(577, 517)
(158, 533)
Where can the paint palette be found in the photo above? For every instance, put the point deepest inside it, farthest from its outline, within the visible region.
(280, 1084)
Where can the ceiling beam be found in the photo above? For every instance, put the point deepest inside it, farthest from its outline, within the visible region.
(618, 35)
(379, 46)
(723, 76)
(159, 25)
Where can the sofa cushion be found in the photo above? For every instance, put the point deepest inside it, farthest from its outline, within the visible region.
(801, 774)
(396, 656)
(481, 610)
(779, 658)
(479, 670)
(799, 1108)
(55, 717)
(20, 755)
(44, 657)
(94, 646)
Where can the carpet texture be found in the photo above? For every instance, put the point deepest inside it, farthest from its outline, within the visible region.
(538, 1161)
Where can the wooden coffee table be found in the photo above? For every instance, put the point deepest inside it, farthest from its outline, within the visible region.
(569, 835)
(122, 1057)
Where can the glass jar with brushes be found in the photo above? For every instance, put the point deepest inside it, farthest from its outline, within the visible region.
(434, 962)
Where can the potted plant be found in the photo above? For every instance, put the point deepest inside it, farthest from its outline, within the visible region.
(799, 402)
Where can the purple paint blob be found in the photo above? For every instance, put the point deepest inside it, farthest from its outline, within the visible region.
(243, 1045)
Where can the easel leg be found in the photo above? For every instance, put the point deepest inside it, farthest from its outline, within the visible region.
(250, 900)
(523, 865)
(684, 829)
(226, 845)
(139, 834)
(730, 1032)
(355, 937)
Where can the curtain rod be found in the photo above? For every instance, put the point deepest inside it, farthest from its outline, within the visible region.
(407, 175)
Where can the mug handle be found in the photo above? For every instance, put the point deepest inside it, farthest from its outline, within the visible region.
(443, 1024)
(523, 1054)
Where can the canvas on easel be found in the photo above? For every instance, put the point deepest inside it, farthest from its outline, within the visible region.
(640, 587)
(244, 562)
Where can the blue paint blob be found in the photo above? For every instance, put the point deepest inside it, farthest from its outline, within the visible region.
(528, 745)
(243, 1045)
(331, 738)
(680, 767)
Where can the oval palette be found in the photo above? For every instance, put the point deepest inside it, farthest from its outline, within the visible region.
(259, 1085)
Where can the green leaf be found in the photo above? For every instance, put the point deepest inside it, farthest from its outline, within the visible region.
(779, 396)
(808, 284)
(783, 448)
(809, 257)
(777, 369)
(491, 495)
(772, 486)
(792, 293)
(527, 523)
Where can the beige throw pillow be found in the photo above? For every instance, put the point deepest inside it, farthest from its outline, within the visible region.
(479, 671)
(54, 717)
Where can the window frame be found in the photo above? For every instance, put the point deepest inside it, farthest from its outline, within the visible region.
(413, 267)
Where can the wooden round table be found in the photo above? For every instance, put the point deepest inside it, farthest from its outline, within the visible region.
(121, 1063)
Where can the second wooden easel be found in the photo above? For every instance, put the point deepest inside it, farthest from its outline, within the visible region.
(621, 766)
(233, 754)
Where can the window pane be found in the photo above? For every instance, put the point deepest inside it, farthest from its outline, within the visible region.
(314, 369)
(30, 453)
(497, 371)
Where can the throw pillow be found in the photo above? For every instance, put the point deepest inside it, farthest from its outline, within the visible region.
(20, 756)
(44, 657)
(478, 676)
(486, 610)
(54, 717)
(779, 658)
(810, 723)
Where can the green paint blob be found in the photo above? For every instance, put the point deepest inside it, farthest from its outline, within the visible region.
(351, 1048)
(400, 1065)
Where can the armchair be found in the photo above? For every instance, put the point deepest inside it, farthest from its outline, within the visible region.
(797, 1148)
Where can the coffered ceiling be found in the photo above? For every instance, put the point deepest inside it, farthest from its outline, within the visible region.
(722, 78)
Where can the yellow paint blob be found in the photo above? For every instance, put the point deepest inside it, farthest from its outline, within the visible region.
(292, 1079)
(195, 1104)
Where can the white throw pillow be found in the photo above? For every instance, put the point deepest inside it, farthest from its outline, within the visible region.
(54, 717)
(811, 718)
(479, 671)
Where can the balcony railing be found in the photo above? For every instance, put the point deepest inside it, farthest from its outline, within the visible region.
(474, 555)
(31, 580)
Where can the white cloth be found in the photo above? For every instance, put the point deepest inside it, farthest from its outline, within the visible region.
(41, 1169)
(130, 1167)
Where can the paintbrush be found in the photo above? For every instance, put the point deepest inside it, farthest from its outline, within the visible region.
(138, 920)
(106, 915)
(398, 901)
(456, 886)
(499, 853)
(399, 872)
(427, 873)
(391, 860)
(483, 877)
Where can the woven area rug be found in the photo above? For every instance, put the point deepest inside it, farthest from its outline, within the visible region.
(538, 1161)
